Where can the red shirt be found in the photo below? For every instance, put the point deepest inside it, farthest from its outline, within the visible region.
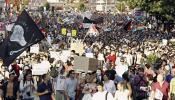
(112, 58)
(164, 89)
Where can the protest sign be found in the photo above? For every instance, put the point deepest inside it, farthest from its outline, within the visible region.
(34, 49)
(41, 68)
(78, 47)
(64, 31)
(74, 33)
(85, 64)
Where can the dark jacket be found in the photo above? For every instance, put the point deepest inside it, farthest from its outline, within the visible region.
(15, 89)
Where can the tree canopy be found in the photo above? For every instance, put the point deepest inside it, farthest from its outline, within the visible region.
(163, 9)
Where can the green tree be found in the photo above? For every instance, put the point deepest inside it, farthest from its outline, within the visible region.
(120, 6)
(165, 9)
(151, 59)
(26, 2)
(47, 5)
(81, 6)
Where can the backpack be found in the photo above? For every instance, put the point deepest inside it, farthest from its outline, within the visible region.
(140, 93)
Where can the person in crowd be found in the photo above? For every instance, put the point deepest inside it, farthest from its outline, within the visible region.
(129, 58)
(16, 68)
(61, 92)
(68, 66)
(99, 76)
(11, 88)
(110, 72)
(148, 71)
(172, 85)
(140, 85)
(90, 87)
(109, 85)
(81, 84)
(71, 85)
(112, 57)
(160, 89)
(45, 89)
(122, 93)
(101, 58)
(127, 83)
(28, 87)
(101, 94)
(26, 70)
(121, 69)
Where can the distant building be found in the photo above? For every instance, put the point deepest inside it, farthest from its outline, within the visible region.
(91, 4)
(37, 2)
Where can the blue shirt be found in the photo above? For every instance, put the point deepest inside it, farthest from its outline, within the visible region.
(43, 87)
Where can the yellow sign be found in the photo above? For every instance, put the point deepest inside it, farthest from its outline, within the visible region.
(64, 31)
(74, 33)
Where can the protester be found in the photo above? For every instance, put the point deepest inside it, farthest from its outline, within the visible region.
(160, 89)
(172, 84)
(122, 93)
(28, 87)
(11, 88)
(61, 89)
(121, 68)
(101, 94)
(140, 85)
(71, 85)
(109, 85)
(90, 87)
(45, 89)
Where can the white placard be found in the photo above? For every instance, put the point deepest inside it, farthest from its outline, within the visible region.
(62, 55)
(55, 55)
(90, 55)
(164, 42)
(99, 7)
(34, 49)
(41, 68)
(86, 25)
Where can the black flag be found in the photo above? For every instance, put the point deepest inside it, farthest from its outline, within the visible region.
(24, 34)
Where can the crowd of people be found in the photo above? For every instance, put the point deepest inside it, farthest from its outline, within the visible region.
(133, 64)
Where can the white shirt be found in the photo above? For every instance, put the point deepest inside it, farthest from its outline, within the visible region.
(61, 82)
(129, 59)
(24, 87)
(101, 56)
(71, 85)
(139, 56)
(117, 62)
(102, 96)
(121, 95)
(120, 69)
(110, 86)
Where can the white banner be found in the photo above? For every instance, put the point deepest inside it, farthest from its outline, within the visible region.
(41, 68)
(34, 49)
(62, 55)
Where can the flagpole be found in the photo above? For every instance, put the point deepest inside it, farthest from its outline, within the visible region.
(85, 37)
